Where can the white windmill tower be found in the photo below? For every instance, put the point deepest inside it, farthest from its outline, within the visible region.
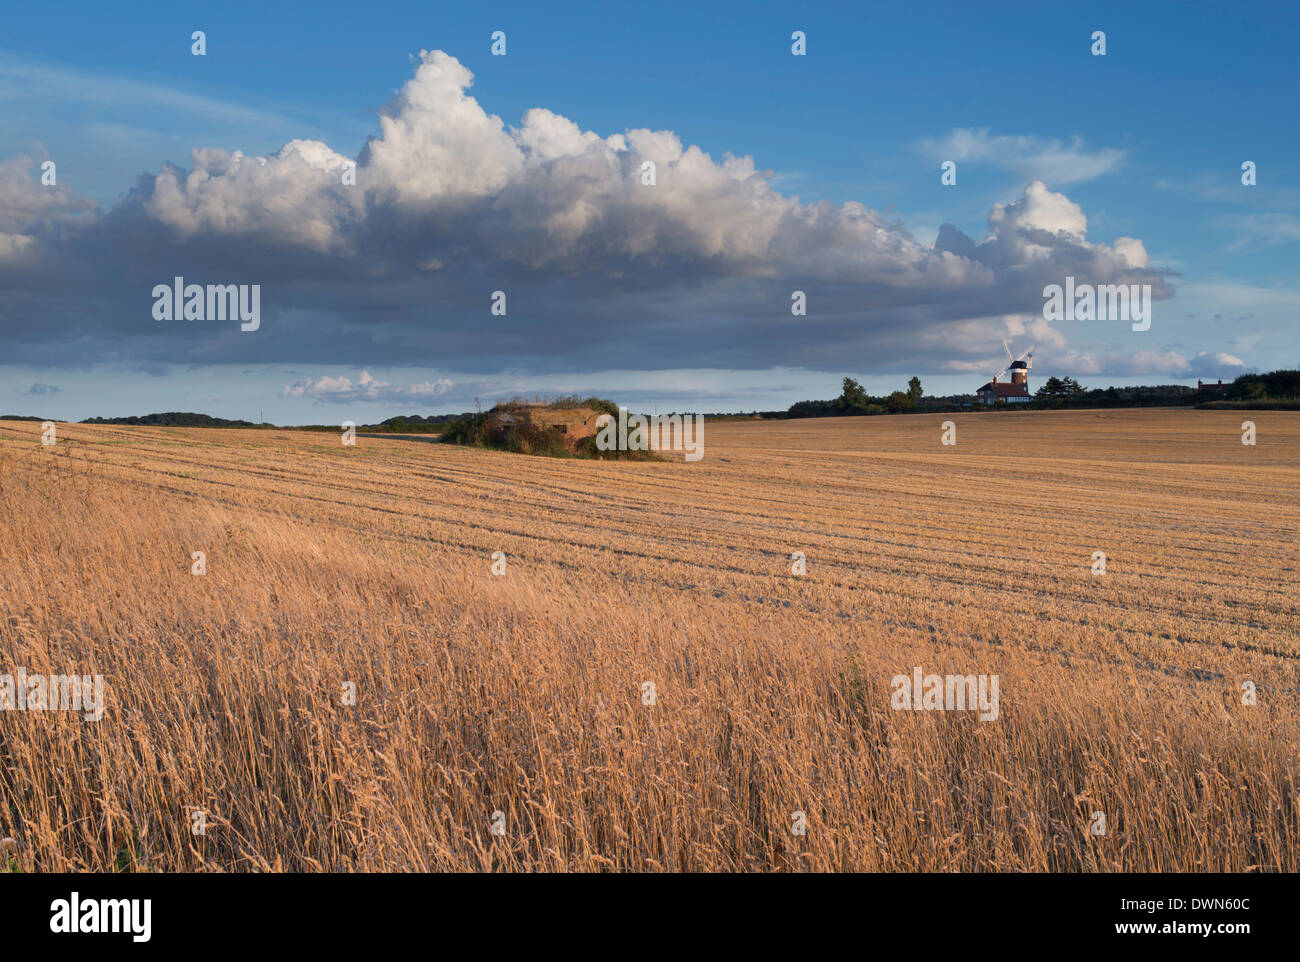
(1018, 366)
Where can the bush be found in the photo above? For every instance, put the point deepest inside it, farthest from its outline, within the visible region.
(601, 405)
(899, 401)
(507, 427)
(586, 448)
(456, 431)
(573, 401)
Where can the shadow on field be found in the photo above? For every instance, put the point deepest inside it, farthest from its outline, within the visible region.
(434, 438)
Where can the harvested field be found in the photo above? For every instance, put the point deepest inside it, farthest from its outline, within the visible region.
(524, 694)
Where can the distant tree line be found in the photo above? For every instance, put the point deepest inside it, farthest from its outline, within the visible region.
(1277, 389)
(175, 419)
(854, 399)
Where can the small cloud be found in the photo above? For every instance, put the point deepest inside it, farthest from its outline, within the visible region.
(38, 389)
(1218, 363)
(342, 390)
(1033, 158)
(1263, 230)
(1149, 363)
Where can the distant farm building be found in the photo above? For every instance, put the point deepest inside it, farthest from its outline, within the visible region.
(1207, 386)
(996, 390)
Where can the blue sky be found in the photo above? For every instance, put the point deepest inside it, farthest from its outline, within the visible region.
(1146, 142)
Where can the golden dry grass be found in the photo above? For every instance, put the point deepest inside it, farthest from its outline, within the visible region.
(371, 564)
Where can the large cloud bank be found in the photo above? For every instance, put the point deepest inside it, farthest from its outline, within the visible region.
(393, 256)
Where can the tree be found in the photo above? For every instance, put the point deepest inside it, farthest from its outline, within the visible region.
(898, 401)
(854, 396)
(914, 390)
(1053, 387)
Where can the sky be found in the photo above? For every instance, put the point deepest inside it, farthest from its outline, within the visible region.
(430, 226)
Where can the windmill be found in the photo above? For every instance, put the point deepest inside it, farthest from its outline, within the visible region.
(1018, 366)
